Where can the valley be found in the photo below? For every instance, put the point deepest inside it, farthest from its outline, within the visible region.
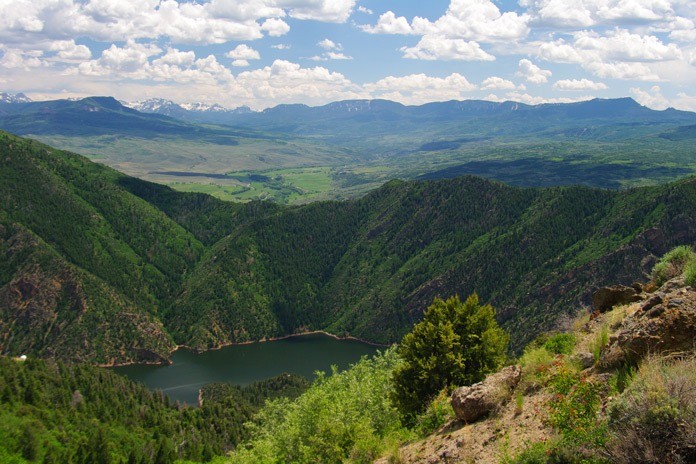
(154, 268)
(299, 154)
(277, 231)
(347, 231)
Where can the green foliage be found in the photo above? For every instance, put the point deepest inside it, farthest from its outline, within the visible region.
(455, 344)
(345, 416)
(600, 341)
(519, 403)
(623, 377)
(193, 270)
(560, 343)
(535, 363)
(672, 264)
(72, 413)
(438, 413)
(654, 419)
(690, 272)
(535, 453)
(574, 411)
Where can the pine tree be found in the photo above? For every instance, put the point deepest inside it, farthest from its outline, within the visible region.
(455, 344)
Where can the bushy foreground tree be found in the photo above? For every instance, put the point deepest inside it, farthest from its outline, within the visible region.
(456, 344)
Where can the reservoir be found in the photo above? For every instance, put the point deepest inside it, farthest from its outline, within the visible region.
(245, 364)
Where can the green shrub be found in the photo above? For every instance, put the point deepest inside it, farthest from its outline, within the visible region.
(438, 413)
(535, 363)
(455, 344)
(552, 452)
(560, 343)
(690, 272)
(654, 420)
(574, 413)
(672, 264)
(343, 417)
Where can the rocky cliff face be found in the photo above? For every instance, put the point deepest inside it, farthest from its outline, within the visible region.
(47, 307)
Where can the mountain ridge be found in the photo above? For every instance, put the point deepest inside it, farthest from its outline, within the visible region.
(208, 272)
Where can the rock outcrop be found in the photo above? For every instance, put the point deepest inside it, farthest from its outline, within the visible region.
(474, 402)
(607, 297)
(665, 322)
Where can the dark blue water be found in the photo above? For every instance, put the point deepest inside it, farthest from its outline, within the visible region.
(244, 364)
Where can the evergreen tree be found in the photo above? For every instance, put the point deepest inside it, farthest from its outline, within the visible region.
(455, 344)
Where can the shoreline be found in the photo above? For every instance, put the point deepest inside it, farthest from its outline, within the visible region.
(169, 362)
(282, 337)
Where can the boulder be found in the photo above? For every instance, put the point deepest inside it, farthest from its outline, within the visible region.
(584, 359)
(663, 325)
(474, 402)
(607, 297)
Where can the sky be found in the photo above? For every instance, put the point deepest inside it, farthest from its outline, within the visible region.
(262, 53)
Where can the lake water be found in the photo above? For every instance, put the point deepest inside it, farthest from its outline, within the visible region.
(245, 364)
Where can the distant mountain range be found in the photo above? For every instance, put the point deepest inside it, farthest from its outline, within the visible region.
(361, 144)
(193, 112)
(381, 113)
(99, 116)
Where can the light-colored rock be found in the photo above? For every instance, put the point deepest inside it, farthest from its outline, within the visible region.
(478, 400)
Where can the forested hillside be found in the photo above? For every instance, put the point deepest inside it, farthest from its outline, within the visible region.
(54, 412)
(105, 268)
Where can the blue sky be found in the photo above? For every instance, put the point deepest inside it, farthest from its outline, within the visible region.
(262, 53)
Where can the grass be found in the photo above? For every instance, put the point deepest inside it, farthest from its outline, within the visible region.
(534, 362)
(228, 193)
(690, 273)
(672, 264)
(601, 339)
(654, 420)
(438, 413)
(519, 403)
(286, 186)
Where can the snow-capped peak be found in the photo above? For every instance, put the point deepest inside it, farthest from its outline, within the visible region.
(14, 98)
(154, 105)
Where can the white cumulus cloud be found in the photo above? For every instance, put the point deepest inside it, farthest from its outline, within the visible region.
(180, 21)
(652, 98)
(389, 23)
(495, 82)
(533, 73)
(434, 47)
(335, 11)
(328, 44)
(478, 20)
(417, 89)
(579, 84)
(587, 13)
(243, 52)
(620, 54)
